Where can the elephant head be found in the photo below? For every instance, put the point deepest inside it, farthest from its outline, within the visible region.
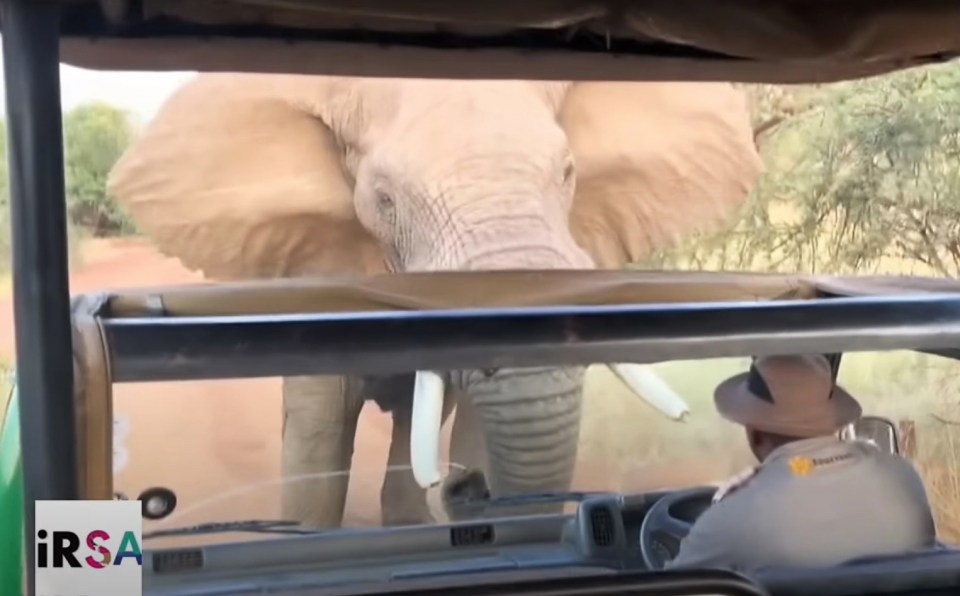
(247, 176)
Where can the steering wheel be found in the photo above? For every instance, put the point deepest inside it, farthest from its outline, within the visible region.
(668, 522)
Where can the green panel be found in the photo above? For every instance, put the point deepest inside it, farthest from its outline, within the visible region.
(11, 497)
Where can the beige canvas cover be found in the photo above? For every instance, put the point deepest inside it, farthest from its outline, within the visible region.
(492, 289)
(449, 290)
(747, 40)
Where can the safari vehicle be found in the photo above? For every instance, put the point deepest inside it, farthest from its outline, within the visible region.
(285, 328)
(290, 328)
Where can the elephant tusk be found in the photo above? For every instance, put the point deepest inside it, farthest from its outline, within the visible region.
(649, 386)
(425, 428)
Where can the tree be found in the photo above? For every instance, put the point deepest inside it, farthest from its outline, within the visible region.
(772, 105)
(866, 171)
(95, 136)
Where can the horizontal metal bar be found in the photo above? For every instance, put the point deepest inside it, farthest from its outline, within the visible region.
(144, 349)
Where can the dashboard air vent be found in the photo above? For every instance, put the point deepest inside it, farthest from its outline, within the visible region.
(602, 526)
(472, 535)
(176, 561)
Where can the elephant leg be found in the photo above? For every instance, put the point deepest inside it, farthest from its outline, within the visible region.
(402, 501)
(320, 415)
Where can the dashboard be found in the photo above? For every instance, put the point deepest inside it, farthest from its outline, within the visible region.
(600, 538)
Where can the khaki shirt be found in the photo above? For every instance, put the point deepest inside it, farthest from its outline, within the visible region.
(814, 502)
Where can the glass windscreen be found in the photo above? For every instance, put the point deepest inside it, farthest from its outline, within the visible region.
(227, 453)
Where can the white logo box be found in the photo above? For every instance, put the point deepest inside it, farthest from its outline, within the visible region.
(93, 532)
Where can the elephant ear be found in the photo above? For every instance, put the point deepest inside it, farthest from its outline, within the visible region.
(238, 177)
(655, 161)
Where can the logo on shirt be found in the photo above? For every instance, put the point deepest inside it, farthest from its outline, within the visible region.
(800, 465)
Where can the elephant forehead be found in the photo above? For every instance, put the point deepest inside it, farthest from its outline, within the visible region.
(507, 147)
(450, 134)
(471, 99)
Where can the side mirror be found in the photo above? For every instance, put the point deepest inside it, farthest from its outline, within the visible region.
(878, 430)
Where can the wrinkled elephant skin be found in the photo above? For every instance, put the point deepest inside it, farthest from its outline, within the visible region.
(264, 176)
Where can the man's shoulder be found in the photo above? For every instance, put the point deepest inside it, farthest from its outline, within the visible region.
(812, 458)
(837, 465)
(901, 470)
(887, 463)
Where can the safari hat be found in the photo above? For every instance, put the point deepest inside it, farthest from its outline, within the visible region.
(794, 396)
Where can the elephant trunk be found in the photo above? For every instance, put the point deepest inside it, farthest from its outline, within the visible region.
(530, 420)
(508, 228)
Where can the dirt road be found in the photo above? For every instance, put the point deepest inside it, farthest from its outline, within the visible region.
(204, 439)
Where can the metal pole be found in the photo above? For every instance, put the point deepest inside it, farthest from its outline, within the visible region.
(41, 294)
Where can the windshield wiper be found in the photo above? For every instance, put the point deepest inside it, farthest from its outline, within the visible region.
(263, 526)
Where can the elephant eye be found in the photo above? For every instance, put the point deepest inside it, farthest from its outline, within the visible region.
(384, 202)
(489, 372)
(567, 173)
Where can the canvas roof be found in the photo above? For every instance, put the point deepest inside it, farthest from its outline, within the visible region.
(739, 40)
(496, 289)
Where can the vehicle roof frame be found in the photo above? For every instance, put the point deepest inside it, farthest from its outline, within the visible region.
(248, 346)
(41, 290)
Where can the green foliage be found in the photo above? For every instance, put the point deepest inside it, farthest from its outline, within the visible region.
(95, 136)
(856, 173)
(4, 201)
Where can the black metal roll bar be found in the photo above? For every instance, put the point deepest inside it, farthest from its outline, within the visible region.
(41, 295)
(158, 349)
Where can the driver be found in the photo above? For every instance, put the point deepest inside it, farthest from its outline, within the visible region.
(814, 500)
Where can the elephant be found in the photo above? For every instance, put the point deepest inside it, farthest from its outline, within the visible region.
(245, 176)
